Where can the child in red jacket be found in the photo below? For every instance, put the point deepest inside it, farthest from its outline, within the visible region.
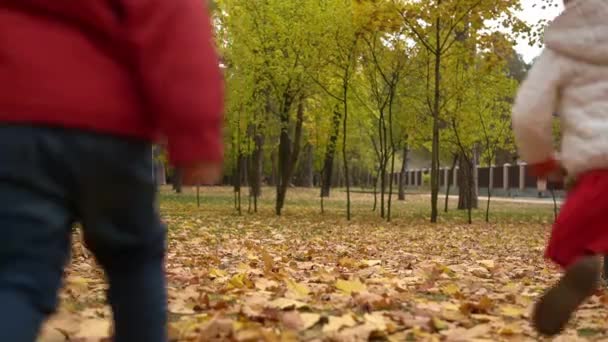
(571, 78)
(87, 87)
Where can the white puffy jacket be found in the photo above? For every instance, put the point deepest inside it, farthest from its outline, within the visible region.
(570, 78)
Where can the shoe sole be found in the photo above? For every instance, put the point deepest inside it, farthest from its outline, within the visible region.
(554, 309)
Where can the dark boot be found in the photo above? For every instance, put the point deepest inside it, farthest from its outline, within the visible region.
(554, 309)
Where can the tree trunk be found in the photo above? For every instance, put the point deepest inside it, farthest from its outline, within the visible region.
(447, 192)
(288, 154)
(322, 198)
(309, 179)
(488, 204)
(272, 181)
(160, 173)
(344, 149)
(305, 170)
(376, 178)
(382, 188)
(330, 152)
(436, 109)
(467, 196)
(244, 160)
(177, 180)
(403, 174)
(390, 187)
(257, 168)
(237, 183)
(339, 177)
(283, 168)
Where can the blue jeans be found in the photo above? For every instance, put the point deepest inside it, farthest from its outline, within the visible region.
(50, 179)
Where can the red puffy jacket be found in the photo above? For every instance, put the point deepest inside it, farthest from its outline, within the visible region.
(135, 68)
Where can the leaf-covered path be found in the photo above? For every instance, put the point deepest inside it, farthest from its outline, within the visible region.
(313, 277)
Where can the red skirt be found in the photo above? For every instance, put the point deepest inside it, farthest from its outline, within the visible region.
(582, 225)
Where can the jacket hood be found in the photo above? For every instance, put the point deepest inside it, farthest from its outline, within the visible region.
(581, 31)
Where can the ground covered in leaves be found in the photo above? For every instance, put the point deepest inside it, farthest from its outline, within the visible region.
(309, 276)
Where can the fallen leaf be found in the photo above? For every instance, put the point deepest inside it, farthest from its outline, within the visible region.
(466, 335)
(350, 286)
(265, 284)
(450, 289)
(489, 264)
(67, 324)
(439, 324)
(217, 273)
(94, 328)
(510, 330)
(512, 311)
(292, 320)
(51, 335)
(286, 303)
(512, 288)
(371, 263)
(335, 323)
(347, 262)
(218, 329)
(309, 320)
(239, 281)
(78, 283)
(376, 320)
(353, 334)
(297, 290)
(268, 262)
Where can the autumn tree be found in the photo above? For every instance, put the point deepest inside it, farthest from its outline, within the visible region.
(269, 39)
(435, 24)
(385, 62)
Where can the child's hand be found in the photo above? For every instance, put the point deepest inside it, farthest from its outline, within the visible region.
(550, 169)
(558, 175)
(202, 174)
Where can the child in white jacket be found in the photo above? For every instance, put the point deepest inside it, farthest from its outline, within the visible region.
(571, 78)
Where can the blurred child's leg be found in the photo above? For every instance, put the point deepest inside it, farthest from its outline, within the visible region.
(555, 307)
(124, 231)
(578, 241)
(34, 234)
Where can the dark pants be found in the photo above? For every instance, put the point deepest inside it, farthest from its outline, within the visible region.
(51, 178)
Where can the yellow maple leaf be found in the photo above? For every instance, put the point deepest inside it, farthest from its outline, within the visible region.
(216, 273)
(510, 330)
(450, 289)
(350, 286)
(347, 262)
(78, 283)
(297, 290)
(439, 324)
(268, 262)
(512, 311)
(243, 267)
(240, 281)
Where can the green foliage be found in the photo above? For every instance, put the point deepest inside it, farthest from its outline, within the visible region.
(373, 60)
